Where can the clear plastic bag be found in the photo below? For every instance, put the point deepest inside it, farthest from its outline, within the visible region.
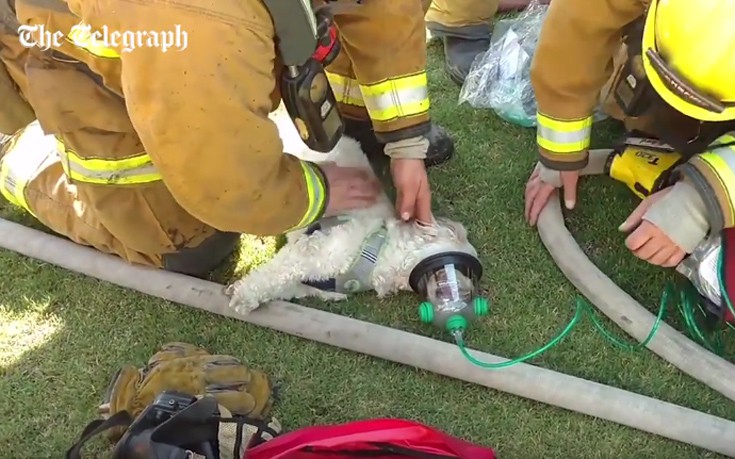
(500, 78)
(701, 268)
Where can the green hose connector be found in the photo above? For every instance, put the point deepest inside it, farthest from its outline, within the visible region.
(456, 322)
(426, 312)
(482, 306)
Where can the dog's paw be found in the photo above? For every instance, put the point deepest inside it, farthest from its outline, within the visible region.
(231, 289)
(331, 296)
(240, 299)
(244, 305)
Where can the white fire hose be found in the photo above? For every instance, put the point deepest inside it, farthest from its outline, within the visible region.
(621, 308)
(528, 381)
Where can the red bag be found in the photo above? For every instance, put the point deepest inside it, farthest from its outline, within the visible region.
(394, 438)
(728, 274)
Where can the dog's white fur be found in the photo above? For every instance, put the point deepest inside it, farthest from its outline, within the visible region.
(322, 256)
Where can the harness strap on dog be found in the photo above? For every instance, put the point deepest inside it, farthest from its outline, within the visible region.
(358, 277)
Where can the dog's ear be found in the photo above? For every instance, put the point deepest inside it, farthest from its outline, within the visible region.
(458, 231)
(429, 230)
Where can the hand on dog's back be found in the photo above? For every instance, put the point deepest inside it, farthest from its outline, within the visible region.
(414, 193)
(349, 188)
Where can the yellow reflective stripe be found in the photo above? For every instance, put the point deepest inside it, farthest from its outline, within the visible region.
(317, 193)
(724, 139)
(563, 136)
(346, 90)
(397, 97)
(15, 172)
(721, 159)
(125, 171)
(81, 36)
(724, 176)
(716, 168)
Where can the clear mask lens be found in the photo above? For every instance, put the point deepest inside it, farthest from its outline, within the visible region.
(449, 290)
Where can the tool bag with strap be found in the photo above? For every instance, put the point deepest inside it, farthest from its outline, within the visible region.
(377, 438)
(186, 436)
(186, 368)
(179, 426)
(184, 403)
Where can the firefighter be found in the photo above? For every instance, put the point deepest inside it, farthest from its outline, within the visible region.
(679, 60)
(464, 27)
(384, 97)
(164, 158)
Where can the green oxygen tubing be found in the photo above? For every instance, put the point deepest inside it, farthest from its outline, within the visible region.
(458, 323)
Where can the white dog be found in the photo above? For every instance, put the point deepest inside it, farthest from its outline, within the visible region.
(367, 249)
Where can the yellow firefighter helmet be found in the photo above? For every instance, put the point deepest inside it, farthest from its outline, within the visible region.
(689, 56)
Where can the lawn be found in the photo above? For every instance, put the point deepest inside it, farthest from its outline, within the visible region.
(62, 335)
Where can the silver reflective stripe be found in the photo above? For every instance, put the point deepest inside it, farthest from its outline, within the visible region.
(30, 152)
(78, 172)
(395, 99)
(563, 136)
(12, 184)
(558, 137)
(727, 154)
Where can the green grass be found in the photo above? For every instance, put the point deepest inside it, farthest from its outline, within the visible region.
(62, 335)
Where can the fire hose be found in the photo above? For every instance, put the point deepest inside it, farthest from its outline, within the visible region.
(598, 400)
(621, 308)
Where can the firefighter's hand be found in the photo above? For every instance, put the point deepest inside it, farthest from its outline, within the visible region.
(349, 188)
(648, 241)
(413, 199)
(541, 186)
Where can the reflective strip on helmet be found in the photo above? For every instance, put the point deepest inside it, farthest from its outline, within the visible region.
(346, 90)
(134, 170)
(397, 97)
(81, 36)
(317, 193)
(563, 136)
(14, 177)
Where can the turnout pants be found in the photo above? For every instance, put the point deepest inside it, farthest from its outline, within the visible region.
(380, 72)
(135, 224)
